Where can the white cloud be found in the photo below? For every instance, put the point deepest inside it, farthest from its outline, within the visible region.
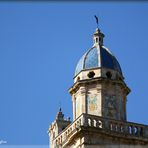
(3, 142)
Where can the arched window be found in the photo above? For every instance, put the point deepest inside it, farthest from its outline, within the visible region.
(109, 75)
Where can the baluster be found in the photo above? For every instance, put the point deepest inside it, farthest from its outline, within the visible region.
(65, 135)
(138, 131)
(113, 126)
(130, 130)
(89, 122)
(102, 124)
(58, 141)
(95, 123)
(116, 127)
(126, 129)
(110, 126)
(146, 131)
(122, 128)
(106, 124)
(99, 123)
(85, 120)
(141, 131)
(92, 122)
(61, 139)
(133, 130)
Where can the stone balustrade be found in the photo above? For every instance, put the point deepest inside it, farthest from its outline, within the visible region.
(104, 124)
(116, 126)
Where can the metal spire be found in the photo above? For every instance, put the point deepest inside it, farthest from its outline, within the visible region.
(97, 20)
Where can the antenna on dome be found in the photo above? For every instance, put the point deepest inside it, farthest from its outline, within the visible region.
(97, 20)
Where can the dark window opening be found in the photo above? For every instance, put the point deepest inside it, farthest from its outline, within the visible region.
(91, 74)
(78, 78)
(109, 75)
(96, 40)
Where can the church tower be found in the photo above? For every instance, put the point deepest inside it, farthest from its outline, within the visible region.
(99, 88)
(99, 96)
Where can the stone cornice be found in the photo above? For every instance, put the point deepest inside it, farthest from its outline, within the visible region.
(79, 83)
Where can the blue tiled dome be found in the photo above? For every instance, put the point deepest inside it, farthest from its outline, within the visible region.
(96, 58)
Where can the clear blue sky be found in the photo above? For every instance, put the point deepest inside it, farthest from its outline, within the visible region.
(40, 45)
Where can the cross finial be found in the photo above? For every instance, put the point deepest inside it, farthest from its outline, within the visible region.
(97, 20)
